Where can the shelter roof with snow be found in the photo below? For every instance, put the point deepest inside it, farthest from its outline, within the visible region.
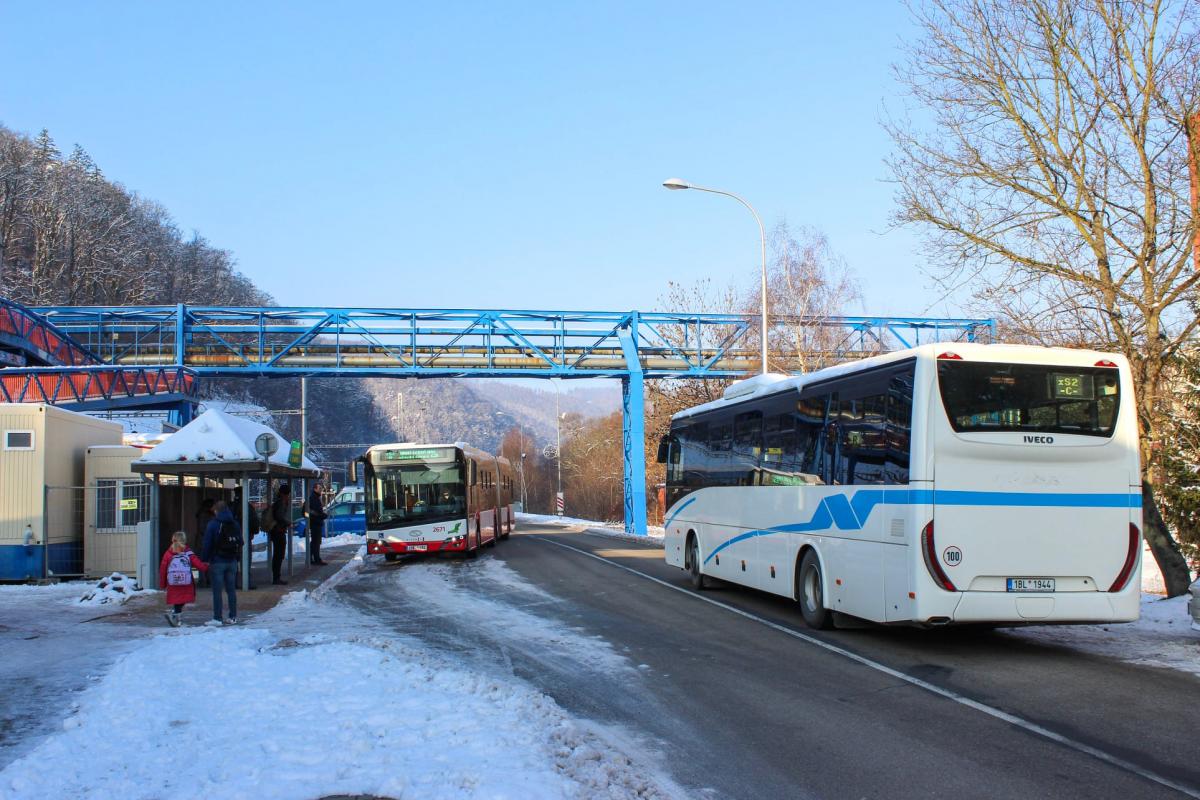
(221, 445)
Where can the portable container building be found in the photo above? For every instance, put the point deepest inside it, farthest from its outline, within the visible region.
(42, 451)
(115, 500)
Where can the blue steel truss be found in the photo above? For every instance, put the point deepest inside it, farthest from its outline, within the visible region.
(362, 342)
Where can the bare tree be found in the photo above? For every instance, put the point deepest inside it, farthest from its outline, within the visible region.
(807, 283)
(1049, 170)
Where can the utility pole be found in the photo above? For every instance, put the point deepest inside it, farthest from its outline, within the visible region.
(559, 504)
(304, 414)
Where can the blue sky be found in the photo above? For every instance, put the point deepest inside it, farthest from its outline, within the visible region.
(483, 154)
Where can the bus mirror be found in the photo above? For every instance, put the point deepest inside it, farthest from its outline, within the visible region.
(664, 447)
(354, 470)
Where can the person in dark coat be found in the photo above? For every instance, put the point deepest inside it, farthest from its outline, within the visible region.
(222, 550)
(203, 517)
(281, 514)
(315, 509)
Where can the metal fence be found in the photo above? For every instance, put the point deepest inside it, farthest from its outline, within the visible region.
(92, 530)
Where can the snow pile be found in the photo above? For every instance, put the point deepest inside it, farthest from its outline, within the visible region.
(317, 716)
(341, 540)
(617, 529)
(1162, 637)
(116, 588)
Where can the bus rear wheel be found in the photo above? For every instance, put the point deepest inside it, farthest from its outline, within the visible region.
(698, 578)
(810, 592)
(390, 556)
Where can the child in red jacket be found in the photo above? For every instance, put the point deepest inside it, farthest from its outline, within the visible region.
(175, 573)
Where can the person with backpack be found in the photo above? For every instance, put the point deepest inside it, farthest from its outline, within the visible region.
(314, 509)
(175, 573)
(222, 550)
(277, 527)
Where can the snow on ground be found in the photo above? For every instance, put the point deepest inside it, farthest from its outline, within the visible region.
(52, 645)
(1162, 637)
(113, 589)
(349, 710)
(442, 597)
(341, 540)
(654, 533)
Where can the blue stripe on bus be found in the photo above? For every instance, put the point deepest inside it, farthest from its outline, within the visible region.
(851, 513)
(682, 506)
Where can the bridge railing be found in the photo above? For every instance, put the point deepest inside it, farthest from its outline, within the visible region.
(432, 342)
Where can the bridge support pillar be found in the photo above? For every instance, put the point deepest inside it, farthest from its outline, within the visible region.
(633, 428)
(182, 414)
(633, 425)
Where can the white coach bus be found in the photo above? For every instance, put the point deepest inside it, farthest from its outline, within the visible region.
(434, 498)
(943, 484)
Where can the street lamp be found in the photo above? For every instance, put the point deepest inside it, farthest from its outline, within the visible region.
(678, 183)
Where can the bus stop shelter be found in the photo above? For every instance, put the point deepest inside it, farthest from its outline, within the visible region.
(219, 447)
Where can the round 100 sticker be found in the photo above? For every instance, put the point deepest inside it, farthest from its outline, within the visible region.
(952, 556)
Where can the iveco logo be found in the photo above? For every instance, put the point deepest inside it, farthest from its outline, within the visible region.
(1039, 440)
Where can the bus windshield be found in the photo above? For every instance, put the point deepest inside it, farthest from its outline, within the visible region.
(989, 397)
(413, 492)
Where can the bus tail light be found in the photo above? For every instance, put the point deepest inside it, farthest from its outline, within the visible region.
(1135, 541)
(929, 550)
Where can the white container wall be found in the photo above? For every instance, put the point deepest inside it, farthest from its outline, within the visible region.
(42, 451)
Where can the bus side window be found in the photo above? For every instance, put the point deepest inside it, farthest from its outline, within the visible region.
(474, 477)
(899, 425)
(747, 446)
(863, 448)
(810, 425)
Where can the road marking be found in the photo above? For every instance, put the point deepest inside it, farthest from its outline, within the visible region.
(1024, 724)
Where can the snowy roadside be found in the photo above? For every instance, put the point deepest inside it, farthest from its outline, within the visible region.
(1162, 636)
(325, 701)
(654, 533)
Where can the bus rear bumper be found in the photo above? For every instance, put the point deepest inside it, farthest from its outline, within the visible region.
(453, 545)
(1060, 607)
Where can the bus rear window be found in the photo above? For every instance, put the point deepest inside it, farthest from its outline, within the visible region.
(983, 397)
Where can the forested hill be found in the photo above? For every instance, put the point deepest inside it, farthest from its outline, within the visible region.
(71, 236)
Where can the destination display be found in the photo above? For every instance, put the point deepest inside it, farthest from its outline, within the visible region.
(418, 454)
(1071, 386)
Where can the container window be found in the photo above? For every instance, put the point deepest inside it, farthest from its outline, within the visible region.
(18, 440)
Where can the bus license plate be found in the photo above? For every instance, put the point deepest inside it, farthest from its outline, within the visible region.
(418, 547)
(1031, 584)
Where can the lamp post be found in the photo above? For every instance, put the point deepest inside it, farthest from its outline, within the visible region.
(677, 183)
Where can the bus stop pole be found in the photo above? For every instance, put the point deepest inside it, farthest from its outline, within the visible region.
(289, 530)
(246, 537)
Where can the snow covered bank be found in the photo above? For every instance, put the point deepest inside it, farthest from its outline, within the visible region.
(323, 700)
(654, 533)
(313, 718)
(1163, 637)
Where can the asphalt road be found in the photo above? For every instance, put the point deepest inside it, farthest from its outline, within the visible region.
(752, 705)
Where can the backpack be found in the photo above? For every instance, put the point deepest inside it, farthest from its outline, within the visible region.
(266, 520)
(179, 571)
(229, 542)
